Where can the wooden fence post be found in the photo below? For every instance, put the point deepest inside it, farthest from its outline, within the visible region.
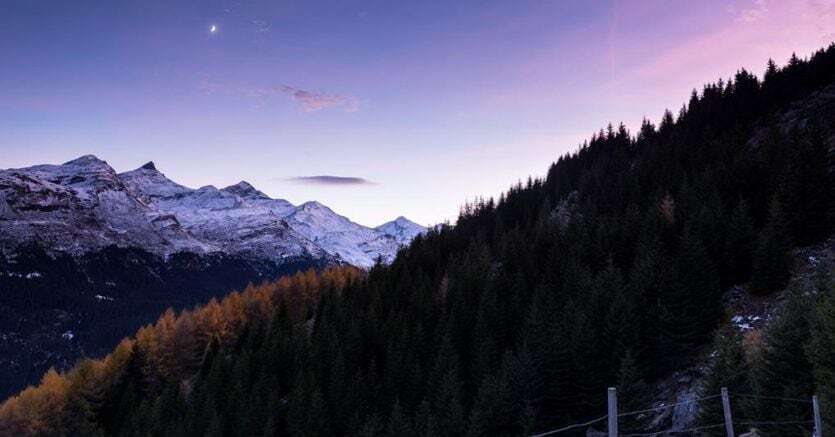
(817, 411)
(613, 412)
(726, 408)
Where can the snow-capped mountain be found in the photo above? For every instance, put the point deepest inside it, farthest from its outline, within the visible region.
(402, 229)
(84, 205)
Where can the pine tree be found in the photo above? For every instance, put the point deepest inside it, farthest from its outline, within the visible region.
(783, 368)
(548, 350)
(447, 404)
(820, 353)
(739, 247)
(487, 329)
(398, 424)
(526, 388)
(692, 304)
(297, 415)
(166, 410)
(84, 400)
(373, 427)
(729, 369)
(216, 427)
(772, 261)
(633, 391)
(495, 411)
(424, 420)
(318, 423)
(807, 187)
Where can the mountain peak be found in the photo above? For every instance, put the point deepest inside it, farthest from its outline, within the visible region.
(149, 166)
(402, 229)
(313, 205)
(402, 222)
(246, 190)
(243, 185)
(85, 160)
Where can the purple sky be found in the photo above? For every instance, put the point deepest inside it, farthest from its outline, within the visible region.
(415, 107)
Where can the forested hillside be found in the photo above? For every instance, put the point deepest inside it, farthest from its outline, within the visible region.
(56, 308)
(610, 271)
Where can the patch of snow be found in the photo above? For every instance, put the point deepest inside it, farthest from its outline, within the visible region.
(68, 335)
(745, 323)
(102, 297)
(30, 275)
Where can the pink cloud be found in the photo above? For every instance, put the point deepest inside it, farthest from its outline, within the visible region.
(308, 101)
(754, 12)
(314, 101)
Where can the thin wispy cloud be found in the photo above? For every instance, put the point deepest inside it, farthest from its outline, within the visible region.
(330, 180)
(755, 12)
(307, 100)
(312, 101)
(261, 26)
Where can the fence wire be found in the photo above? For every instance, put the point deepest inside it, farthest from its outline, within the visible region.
(664, 407)
(570, 427)
(693, 429)
(670, 431)
(773, 398)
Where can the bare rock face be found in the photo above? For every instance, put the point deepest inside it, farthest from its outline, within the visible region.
(79, 206)
(816, 109)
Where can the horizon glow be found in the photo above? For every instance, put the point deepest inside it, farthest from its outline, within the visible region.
(435, 102)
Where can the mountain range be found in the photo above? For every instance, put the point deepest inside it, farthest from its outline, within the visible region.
(84, 205)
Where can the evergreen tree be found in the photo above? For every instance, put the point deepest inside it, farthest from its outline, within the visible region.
(820, 349)
(447, 417)
(807, 188)
(495, 411)
(729, 369)
(783, 370)
(83, 401)
(739, 248)
(772, 261)
(692, 305)
(633, 392)
(398, 424)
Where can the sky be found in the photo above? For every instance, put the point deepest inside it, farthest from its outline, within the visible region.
(374, 108)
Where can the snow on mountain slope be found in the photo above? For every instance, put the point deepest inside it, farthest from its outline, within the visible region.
(148, 183)
(84, 205)
(243, 219)
(402, 229)
(239, 218)
(337, 235)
